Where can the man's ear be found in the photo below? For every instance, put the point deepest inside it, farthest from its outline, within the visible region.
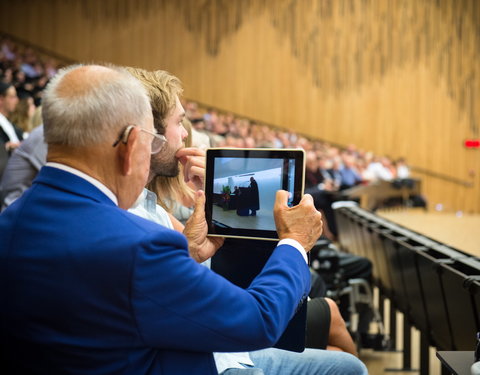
(127, 151)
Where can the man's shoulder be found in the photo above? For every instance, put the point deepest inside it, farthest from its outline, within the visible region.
(86, 216)
(146, 225)
(128, 227)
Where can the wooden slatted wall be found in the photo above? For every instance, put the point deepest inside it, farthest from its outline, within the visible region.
(398, 77)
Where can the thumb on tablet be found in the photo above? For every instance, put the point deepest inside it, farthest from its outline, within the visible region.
(199, 207)
(281, 198)
(302, 222)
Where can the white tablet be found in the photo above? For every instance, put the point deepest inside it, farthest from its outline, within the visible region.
(240, 189)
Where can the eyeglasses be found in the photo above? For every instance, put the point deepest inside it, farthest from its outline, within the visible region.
(157, 142)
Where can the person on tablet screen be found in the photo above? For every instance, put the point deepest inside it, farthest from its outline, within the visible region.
(254, 197)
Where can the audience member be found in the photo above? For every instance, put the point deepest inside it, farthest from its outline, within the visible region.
(319, 184)
(10, 135)
(349, 173)
(23, 114)
(270, 360)
(402, 170)
(381, 169)
(22, 167)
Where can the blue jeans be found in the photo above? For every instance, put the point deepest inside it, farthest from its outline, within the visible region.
(273, 361)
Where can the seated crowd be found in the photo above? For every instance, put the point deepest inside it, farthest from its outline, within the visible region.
(329, 169)
(340, 167)
(25, 68)
(23, 76)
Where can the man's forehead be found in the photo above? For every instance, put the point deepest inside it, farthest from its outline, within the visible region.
(178, 111)
(178, 106)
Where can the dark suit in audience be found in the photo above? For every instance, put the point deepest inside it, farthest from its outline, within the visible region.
(22, 167)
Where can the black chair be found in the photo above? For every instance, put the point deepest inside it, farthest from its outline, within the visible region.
(365, 224)
(345, 219)
(414, 293)
(429, 262)
(358, 247)
(417, 296)
(458, 278)
(384, 281)
(391, 245)
(473, 285)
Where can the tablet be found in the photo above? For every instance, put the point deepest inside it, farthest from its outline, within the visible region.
(240, 189)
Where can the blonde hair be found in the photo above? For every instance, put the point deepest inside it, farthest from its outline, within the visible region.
(20, 116)
(163, 88)
(37, 117)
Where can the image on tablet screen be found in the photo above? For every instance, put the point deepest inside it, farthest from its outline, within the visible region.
(244, 191)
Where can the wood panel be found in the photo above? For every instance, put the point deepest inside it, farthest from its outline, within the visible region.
(398, 77)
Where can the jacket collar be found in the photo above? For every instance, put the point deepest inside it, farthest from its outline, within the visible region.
(72, 183)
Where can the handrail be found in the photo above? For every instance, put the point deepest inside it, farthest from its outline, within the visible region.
(442, 176)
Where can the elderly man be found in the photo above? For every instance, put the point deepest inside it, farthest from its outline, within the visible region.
(89, 287)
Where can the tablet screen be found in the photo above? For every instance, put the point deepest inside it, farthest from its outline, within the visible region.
(240, 189)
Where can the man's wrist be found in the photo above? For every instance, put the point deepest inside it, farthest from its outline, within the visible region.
(296, 245)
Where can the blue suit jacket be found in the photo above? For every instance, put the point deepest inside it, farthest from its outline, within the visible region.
(88, 288)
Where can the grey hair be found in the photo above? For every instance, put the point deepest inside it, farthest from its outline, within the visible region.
(93, 111)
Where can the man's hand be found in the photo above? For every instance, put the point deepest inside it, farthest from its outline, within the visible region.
(193, 161)
(302, 222)
(200, 246)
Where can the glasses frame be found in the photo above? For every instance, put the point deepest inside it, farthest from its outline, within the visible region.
(126, 133)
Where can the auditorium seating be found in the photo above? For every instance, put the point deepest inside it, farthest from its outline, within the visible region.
(456, 277)
(436, 287)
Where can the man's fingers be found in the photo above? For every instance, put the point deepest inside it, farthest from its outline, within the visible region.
(199, 203)
(307, 199)
(192, 151)
(281, 198)
(194, 168)
(184, 153)
(194, 171)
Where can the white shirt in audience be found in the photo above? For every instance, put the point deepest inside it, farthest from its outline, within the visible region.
(8, 129)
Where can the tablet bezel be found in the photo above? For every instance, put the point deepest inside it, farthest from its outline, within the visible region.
(265, 153)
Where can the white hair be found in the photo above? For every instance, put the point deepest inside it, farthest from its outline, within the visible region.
(83, 108)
